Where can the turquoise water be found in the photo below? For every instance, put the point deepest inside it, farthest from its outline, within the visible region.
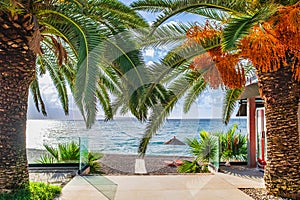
(123, 136)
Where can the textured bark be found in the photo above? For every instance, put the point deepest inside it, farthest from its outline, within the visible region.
(17, 70)
(281, 94)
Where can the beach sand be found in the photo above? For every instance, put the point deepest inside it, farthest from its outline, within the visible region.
(123, 164)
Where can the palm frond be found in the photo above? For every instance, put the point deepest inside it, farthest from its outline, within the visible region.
(115, 14)
(161, 111)
(176, 58)
(46, 159)
(53, 151)
(86, 77)
(239, 26)
(104, 100)
(69, 151)
(173, 60)
(170, 8)
(211, 13)
(125, 58)
(88, 27)
(204, 149)
(230, 100)
(232, 95)
(83, 36)
(152, 5)
(110, 79)
(37, 98)
(194, 144)
(57, 78)
(193, 93)
(158, 116)
(165, 36)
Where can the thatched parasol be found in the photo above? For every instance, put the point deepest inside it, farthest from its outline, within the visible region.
(174, 141)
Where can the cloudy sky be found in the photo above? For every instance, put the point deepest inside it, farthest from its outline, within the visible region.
(208, 105)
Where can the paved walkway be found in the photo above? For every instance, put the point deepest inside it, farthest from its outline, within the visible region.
(174, 187)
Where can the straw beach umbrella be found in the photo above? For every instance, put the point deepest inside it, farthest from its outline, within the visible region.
(174, 141)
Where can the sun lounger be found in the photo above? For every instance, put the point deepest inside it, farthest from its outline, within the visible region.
(174, 163)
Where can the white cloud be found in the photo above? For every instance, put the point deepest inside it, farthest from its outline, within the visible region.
(149, 52)
(172, 22)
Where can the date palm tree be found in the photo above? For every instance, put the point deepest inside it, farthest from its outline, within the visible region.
(80, 44)
(265, 33)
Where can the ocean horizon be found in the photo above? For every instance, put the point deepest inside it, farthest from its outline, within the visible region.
(122, 135)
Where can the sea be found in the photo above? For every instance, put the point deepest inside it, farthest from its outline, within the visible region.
(122, 136)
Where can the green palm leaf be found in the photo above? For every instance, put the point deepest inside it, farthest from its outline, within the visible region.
(239, 26)
(175, 7)
(53, 151)
(204, 149)
(211, 13)
(161, 111)
(229, 105)
(104, 100)
(174, 60)
(193, 93)
(168, 35)
(37, 98)
(113, 14)
(232, 95)
(69, 151)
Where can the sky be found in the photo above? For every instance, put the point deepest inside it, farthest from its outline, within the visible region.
(208, 105)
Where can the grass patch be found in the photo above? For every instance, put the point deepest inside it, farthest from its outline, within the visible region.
(35, 191)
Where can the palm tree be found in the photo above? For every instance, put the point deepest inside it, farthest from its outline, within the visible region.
(71, 40)
(266, 33)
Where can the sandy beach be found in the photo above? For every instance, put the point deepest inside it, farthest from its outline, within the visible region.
(123, 164)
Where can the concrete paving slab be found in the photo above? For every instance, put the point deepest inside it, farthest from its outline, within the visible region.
(79, 189)
(175, 187)
(240, 182)
(168, 187)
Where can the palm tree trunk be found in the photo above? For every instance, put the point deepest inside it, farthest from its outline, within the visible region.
(17, 70)
(281, 94)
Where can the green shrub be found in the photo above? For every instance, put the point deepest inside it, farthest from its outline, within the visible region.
(204, 149)
(70, 152)
(35, 191)
(189, 167)
(94, 165)
(233, 145)
(192, 167)
(65, 153)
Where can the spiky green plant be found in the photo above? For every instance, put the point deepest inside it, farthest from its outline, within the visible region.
(45, 159)
(95, 167)
(190, 167)
(233, 145)
(64, 153)
(34, 191)
(204, 148)
(70, 152)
